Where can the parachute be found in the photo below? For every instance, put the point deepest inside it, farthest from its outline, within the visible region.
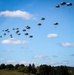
(39, 24)
(55, 23)
(69, 4)
(63, 3)
(42, 18)
(27, 27)
(26, 33)
(57, 6)
(30, 36)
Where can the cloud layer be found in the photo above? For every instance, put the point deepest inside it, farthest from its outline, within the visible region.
(17, 13)
(67, 44)
(20, 62)
(52, 35)
(65, 63)
(14, 41)
(41, 57)
(53, 63)
(9, 51)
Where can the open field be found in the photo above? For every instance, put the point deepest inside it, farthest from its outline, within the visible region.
(3, 72)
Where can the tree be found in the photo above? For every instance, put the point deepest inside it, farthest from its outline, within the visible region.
(9, 66)
(62, 70)
(16, 66)
(53, 71)
(29, 69)
(37, 73)
(2, 66)
(33, 69)
(21, 69)
(44, 70)
(22, 65)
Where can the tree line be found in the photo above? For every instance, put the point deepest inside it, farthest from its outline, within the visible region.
(43, 69)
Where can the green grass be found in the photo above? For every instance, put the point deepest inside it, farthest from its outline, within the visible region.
(4, 72)
(13, 72)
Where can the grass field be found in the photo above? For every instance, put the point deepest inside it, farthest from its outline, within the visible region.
(3, 72)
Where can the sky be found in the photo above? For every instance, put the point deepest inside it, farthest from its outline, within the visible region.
(51, 44)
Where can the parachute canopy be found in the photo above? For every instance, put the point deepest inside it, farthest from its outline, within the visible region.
(39, 24)
(26, 33)
(27, 27)
(42, 18)
(55, 23)
(63, 3)
(57, 6)
(31, 36)
(69, 4)
(24, 29)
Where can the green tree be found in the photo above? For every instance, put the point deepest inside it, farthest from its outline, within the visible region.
(2, 66)
(21, 69)
(9, 66)
(37, 73)
(29, 69)
(22, 65)
(53, 71)
(44, 70)
(33, 69)
(62, 70)
(16, 66)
